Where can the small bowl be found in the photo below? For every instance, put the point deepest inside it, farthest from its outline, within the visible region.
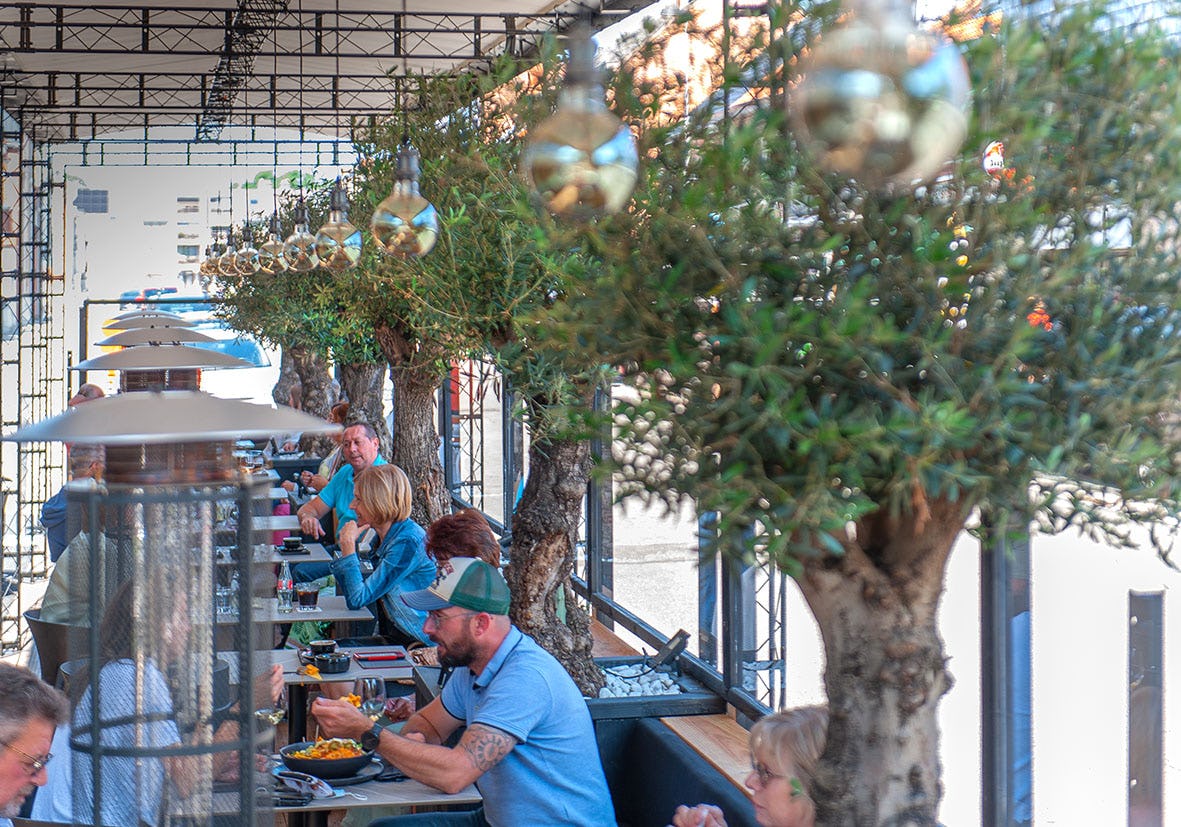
(322, 647)
(292, 543)
(323, 767)
(331, 663)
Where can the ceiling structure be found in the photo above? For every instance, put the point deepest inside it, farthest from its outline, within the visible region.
(77, 73)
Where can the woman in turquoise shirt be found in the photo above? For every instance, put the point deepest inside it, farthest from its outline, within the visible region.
(381, 499)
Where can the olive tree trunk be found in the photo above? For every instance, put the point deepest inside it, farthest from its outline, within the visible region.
(885, 673)
(362, 384)
(316, 396)
(545, 528)
(288, 378)
(415, 439)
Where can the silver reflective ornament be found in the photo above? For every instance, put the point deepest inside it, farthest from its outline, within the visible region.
(338, 242)
(405, 224)
(299, 248)
(880, 101)
(581, 161)
(270, 253)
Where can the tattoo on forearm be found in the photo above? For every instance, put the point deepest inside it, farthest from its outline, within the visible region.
(486, 745)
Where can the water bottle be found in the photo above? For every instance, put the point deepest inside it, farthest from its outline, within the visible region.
(285, 588)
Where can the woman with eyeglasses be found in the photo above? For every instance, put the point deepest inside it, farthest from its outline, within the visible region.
(785, 748)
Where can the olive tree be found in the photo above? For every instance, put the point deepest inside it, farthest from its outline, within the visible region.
(845, 375)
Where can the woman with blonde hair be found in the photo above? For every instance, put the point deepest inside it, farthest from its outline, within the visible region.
(784, 750)
(381, 500)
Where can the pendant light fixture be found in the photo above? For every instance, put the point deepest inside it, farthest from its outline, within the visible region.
(227, 262)
(879, 100)
(405, 224)
(581, 161)
(247, 262)
(338, 243)
(270, 252)
(299, 248)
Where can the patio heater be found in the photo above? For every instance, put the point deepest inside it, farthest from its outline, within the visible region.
(176, 377)
(156, 736)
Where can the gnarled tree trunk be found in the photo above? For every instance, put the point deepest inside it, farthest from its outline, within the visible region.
(545, 528)
(288, 378)
(362, 383)
(316, 396)
(885, 672)
(415, 438)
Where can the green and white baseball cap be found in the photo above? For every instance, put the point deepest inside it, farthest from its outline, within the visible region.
(466, 582)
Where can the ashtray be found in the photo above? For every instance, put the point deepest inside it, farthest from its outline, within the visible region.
(332, 663)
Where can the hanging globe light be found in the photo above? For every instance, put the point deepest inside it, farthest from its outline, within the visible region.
(227, 263)
(248, 262)
(299, 249)
(209, 263)
(581, 161)
(270, 252)
(405, 224)
(880, 101)
(338, 243)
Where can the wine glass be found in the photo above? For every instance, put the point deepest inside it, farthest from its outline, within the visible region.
(371, 691)
(275, 712)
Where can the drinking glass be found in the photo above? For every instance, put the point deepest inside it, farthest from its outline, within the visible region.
(273, 713)
(371, 691)
(308, 595)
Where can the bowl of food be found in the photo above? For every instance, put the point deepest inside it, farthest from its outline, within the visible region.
(333, 758)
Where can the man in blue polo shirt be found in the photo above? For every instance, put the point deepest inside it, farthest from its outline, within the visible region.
(359, 449)
(529, 745)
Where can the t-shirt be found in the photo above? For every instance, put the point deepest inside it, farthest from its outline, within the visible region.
(54, 801)
(338, 493)
(132, 789)
(67, 595)
(553, 775)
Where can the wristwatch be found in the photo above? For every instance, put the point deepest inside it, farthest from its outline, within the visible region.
(370, 739)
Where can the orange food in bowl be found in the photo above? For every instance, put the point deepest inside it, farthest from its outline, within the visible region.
(331, 749)
(355, 700)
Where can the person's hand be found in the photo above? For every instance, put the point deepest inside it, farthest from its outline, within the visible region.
(348, 535)
(339, 718)
(703, 815)
(276, 682)
(289, 446)
(399, 709)
(309, 525)
(287, 485)
(314, 482)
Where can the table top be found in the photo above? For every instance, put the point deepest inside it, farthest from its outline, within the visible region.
(271, 522)
(331, 607)
(270, 556)
(408, 793)
(289, 660)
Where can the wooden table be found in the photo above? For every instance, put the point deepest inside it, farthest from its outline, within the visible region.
(316, 553)
(330, 606)
(282, 522)
(298, 685)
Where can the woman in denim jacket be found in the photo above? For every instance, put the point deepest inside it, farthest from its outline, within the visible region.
(381, 498)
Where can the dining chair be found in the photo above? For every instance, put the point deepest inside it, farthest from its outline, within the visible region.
(55, 643)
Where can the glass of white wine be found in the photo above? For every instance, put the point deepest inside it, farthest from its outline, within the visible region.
(273, 713)
(371, 691)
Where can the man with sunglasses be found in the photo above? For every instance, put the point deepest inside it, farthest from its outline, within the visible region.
(30, 710)
(529, 745)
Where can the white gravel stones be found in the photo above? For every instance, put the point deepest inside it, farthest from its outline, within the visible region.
(636, 681)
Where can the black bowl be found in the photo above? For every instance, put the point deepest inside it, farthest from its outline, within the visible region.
(323, 767)
(332, 663)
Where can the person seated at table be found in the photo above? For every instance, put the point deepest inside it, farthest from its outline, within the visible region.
(29, 711)
(62, 520)
(528, 744)
(463, 534)
(381, 500)
(330, 464)
(785, 748)
(136, 709)
(67, 595)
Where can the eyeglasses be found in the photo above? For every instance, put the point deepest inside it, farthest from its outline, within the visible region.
(438, 618)
(35, 764)
(765, 775)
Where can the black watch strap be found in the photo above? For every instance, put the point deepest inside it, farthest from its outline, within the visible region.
(370, 739)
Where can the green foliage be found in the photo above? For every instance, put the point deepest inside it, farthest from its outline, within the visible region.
(799, 374)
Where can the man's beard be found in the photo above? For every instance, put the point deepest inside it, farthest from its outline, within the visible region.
(461, 653)
(12, 808)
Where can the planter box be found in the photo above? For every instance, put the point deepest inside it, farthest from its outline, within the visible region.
(694, 699)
